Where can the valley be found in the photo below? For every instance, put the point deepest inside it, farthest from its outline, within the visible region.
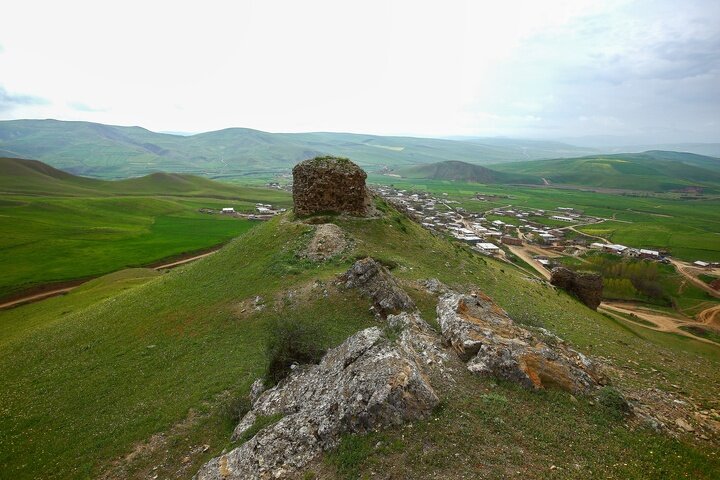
(59, 228)
(175, 350)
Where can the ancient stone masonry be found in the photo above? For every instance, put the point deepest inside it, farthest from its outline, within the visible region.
(367, 382)
(485, 337)
(587, 287)
(328, 184)
(375, 281)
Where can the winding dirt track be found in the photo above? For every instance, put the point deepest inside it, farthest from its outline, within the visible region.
(60, 291)
(663, 323)
(710, 316)
(684, 270)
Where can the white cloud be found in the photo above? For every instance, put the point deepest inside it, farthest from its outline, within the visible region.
(418, 67)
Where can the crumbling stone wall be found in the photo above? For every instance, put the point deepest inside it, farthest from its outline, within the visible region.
(587, 287)
(330, 184)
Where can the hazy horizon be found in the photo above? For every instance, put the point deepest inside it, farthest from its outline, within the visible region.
(645, 71)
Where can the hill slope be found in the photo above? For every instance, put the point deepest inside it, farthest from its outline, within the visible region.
(465, 172)
(34, 177)
(58, 227)
(137, 381)
(112, 152)
(653, 170)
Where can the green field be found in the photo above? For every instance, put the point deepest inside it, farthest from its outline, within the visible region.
(656, 171)
(59, 227)
(688, 228)
(90, 376)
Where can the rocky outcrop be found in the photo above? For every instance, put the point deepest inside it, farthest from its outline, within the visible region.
(587, 287)
(485, 337)
(375, 281)
(366, 383)
(329, 240)
(329, 184)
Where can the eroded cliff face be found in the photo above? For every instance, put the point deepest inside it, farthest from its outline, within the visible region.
(329, 184)
(587, 287)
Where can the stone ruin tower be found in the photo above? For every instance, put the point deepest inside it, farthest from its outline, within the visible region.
(330, 184)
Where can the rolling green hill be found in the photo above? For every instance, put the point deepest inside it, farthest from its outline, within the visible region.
(115, 152)
(465, 172)
(21, 176)
(656, 171)
(128, 377)
(57, 226)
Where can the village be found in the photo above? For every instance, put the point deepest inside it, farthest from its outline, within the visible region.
(535, 235)
(263, 211)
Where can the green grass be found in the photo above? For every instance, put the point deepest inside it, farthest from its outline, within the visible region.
(59, 227)
(83, 388)
(653, 171)
(497, 430)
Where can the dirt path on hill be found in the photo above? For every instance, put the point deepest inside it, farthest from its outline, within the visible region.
(520, 252)
(663, 323)
(684, 269)
(36, 297)
(710, 316)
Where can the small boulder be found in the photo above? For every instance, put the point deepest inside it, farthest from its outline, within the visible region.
(587, 287)
(376, 281)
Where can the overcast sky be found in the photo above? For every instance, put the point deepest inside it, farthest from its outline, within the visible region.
(648, 70)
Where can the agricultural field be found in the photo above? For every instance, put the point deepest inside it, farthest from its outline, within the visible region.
(58, 227)
(689, 228)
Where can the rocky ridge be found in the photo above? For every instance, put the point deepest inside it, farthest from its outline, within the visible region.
(486, 338)
(380, 377)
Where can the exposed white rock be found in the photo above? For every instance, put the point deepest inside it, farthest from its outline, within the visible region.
(366, 383)
(486, 338)
(375, 281)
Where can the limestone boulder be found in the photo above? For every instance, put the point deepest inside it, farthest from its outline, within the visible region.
(485, 337)
(375, 281)
(368, 382)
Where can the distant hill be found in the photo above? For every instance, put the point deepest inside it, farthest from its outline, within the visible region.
(35, 177)
(658, 171)
(466, 172)
(115, 152)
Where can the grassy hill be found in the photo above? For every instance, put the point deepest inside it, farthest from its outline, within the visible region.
(465, 172)
(57, 226)
(115, 152)
(131, 375)
(653, 170)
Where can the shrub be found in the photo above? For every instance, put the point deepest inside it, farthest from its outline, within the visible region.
(292, 341)
(613, 402)
(236, 408)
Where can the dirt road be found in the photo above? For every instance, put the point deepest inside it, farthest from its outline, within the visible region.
(60, 291)
(685, 270)
(661, 322)
(710, 316)
(522, 253)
